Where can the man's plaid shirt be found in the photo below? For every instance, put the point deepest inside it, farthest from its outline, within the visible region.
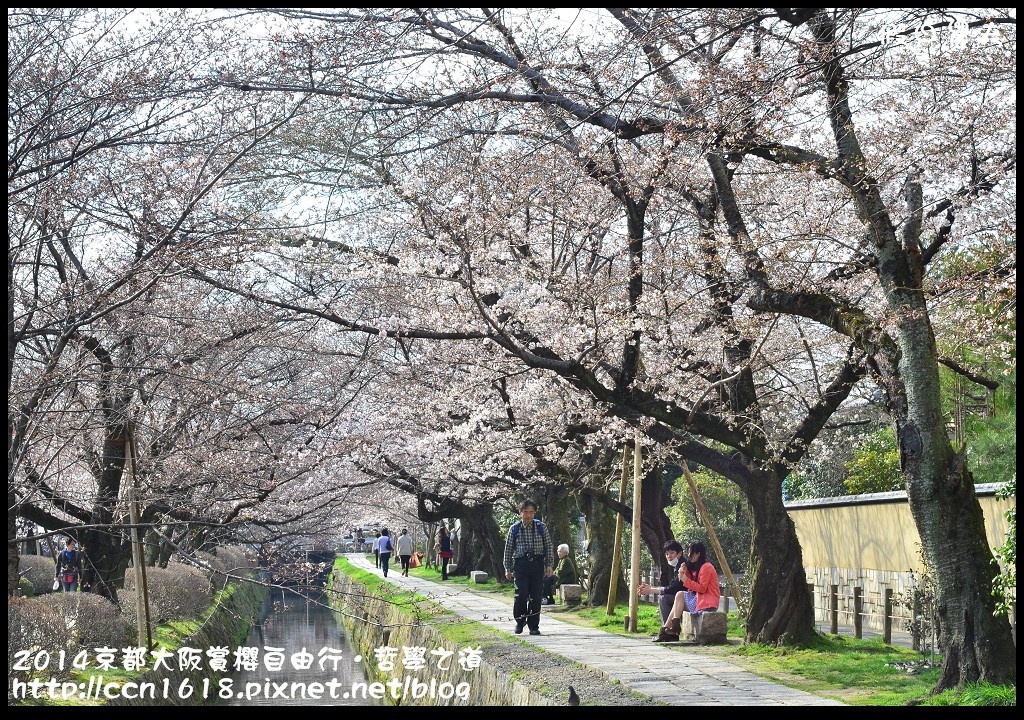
(529, 542)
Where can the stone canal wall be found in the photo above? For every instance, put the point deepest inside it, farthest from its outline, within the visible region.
(373, 622)
(228, 625)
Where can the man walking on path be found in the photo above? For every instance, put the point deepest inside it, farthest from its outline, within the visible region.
(528, 559)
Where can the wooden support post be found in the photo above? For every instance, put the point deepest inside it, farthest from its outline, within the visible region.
(915, 623)
(725, 604)
(858, 608)
(834, 608)
(887, 622)
(145, 636)
(634, 574)
(613, 581)
(706, 519)
(810, 590)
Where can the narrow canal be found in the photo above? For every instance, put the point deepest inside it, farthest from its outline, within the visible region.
(301, 632)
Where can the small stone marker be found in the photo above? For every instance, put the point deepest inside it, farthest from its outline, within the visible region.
(570, 594)
(478, 576)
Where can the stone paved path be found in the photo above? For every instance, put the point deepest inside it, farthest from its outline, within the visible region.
(672, 675)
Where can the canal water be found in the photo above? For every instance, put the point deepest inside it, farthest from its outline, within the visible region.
(302, 630)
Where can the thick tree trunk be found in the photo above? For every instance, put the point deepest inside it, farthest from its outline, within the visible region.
(976, 645)
(482, 543)
(779, 606)
(656, 528)
(107, 552)
(557, 509)
(600, 539)
(12, 533)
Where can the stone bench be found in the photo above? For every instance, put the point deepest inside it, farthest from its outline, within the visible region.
(478, 576)
(570, 594)
(706, 628)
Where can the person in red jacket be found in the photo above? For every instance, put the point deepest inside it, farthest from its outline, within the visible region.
(698, 576)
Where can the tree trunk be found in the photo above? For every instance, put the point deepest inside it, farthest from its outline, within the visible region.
(558, 508)
(107, 552)
(976, 645)
(778, 604)
(12, 533)
(481, 544)
(656, 528)
(600, 539)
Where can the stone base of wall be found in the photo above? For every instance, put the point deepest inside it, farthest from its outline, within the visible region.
(873, 584)
(372, 622)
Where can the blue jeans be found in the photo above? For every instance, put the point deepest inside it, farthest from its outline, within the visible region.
(69, 586)
(384, 558)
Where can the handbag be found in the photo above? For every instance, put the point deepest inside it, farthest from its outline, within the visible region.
(414, 561)
(69, 577)
(56, 584)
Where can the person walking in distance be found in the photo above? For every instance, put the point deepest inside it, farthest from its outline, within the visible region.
(444, 546)
(404, 547)
(384, 548)
(528, 558)
(69, 567)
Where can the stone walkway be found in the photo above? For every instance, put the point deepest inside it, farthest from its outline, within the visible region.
(672, 675)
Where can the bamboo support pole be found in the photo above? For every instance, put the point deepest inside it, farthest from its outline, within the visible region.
(613, 581)
(634, 575)
(706, 519)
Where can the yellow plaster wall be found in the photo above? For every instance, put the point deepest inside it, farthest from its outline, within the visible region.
(879, 536)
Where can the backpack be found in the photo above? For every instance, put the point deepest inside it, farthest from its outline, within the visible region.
(538, 525)
(390, 546)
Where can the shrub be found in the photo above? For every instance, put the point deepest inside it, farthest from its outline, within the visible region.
(39, 570)
(234, 560)
(1004, 586)
(217, 566)
(25, 587)
(33, 625)
(94, 619)
(176, 592)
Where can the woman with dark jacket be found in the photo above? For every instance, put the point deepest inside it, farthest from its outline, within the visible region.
(69, 567)
(444, 545)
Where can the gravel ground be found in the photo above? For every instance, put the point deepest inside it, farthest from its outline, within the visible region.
(551, 675)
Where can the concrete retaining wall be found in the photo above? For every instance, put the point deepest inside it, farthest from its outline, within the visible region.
(228, 626)
(372, 622)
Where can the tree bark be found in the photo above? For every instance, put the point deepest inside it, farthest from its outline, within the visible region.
(12, 533)
(656, 528)
(976, 645)
(558, 508)
(481, 544)
(779, 606)
(600, 538)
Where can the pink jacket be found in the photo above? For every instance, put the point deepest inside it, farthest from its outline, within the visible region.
(706, 587)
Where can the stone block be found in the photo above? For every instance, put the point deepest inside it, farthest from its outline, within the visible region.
(570, 594)
(479, 576)
(712, 628)
(705, 628)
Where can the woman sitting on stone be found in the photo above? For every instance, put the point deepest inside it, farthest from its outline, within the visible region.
(698, 576)
(565, 574)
